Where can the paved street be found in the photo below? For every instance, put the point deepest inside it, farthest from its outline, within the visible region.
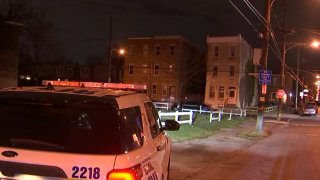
(292, 151)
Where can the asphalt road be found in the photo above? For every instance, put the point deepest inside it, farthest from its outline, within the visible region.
(291, 152)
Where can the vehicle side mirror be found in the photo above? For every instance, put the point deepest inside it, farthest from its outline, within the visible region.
(171, 125)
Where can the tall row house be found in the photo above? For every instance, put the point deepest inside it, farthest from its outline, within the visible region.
(229, 60)
(168, 65)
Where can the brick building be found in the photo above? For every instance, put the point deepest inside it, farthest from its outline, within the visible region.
(168, 65)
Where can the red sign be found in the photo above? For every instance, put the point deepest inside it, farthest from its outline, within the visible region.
(280, 93)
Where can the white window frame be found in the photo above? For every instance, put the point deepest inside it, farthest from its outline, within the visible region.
(234, 91)
(221, 92)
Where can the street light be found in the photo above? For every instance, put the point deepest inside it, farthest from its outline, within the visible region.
(120, 52)
(315, 44)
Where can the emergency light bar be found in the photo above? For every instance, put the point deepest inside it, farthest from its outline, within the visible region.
(95, 85)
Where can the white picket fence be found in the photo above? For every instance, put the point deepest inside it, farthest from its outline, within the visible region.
(185, 117)
(161, 105)
(180, 117)
(215, 116)
(254, 110)
(270, 108)
(194, 108)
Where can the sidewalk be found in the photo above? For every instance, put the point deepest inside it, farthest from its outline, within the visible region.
(273, 115)
(189, 157)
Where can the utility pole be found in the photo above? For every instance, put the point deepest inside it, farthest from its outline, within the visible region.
(109, 53)
(283, 77)
(297, 87)
(263, 65)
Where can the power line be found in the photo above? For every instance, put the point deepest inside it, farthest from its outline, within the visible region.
(248, 21)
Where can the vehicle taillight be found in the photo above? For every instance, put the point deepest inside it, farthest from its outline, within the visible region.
(133, 173)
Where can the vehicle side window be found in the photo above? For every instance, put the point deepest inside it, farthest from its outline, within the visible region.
(131, 128)
(153, 118)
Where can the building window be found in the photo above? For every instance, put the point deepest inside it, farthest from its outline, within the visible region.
(232, 51)
(131, 50)
(157, 50)
(215, 71)
(84, 71)
(221, 92)
(130, 68)
(154, 89)
(231, 72)
(156, 69)
(145, 50)
(232, 92)
(172, 92)
(215, 52)
(212, 92)
(164, 90)
(144, 70)
(170, 68)
(172, 50)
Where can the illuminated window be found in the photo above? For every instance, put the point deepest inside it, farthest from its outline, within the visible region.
(145, 50)
(171, 68)
(144, 70)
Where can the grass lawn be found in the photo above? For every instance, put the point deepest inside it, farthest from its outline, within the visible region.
(202, 128)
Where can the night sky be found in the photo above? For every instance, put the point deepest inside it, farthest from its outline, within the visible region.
(82, 26)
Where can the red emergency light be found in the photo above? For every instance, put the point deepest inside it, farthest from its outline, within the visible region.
(95, 85)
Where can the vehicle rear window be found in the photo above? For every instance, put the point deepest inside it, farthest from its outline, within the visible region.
(64, 123)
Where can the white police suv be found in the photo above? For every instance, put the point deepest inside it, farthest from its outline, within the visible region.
(65, 130)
